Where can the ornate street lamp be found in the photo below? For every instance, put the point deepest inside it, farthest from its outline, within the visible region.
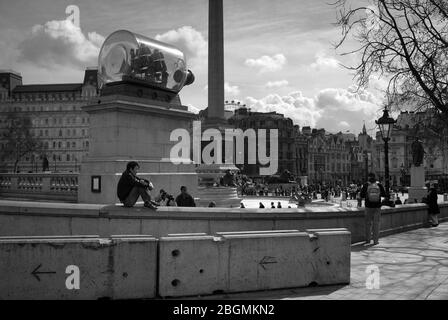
(386, 123)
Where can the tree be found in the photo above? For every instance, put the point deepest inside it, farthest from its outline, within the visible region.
(405, 41)
(19, 139)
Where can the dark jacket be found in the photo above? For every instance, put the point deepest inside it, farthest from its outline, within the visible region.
(431, 201)
(127, 182)
(369, 204)
(185, 200)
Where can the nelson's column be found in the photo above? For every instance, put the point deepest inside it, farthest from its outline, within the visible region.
(210, 173)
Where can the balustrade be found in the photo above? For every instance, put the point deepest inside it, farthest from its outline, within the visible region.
(45, 186)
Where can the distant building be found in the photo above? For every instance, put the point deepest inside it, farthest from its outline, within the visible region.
(410, 125)
(57, 118)
(287, 160)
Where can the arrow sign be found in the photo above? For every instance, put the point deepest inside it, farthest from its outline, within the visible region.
(36, 272)
(267, 260)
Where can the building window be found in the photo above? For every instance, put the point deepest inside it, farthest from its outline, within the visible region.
(68, 157)
(73, 144)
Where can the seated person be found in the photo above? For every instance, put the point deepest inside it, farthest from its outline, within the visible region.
(212, 204)
(398, 201)
(184, 199)
(130, 187)
(161, 196)
(165, 200)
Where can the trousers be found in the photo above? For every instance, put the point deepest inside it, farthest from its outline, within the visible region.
(134, 194)
(372, 217)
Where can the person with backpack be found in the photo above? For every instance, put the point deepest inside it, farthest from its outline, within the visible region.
(372, 192)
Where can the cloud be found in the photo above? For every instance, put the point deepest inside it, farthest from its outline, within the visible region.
(332, 99)
(267, 63)
(60, 43)
(191, 42)
(324, 62)
(193, 109)
(334, 109)
(231, 90)
(277, 84)
(295, 106)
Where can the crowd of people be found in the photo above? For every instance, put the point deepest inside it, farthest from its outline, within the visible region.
(130, 187)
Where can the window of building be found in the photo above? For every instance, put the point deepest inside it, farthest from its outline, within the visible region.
(59, 144)
(54, 144)
(68, 157)
(60, 133)
(73, 144)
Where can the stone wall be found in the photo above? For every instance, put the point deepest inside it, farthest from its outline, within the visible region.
(49, 219)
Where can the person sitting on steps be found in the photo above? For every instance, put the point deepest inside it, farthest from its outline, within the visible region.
(130, 187)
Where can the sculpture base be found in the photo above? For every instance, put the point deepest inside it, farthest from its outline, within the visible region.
(125, 128)
(417, 190)
(416, 193)
(222, 196)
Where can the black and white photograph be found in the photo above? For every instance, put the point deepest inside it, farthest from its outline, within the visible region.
(224, 158)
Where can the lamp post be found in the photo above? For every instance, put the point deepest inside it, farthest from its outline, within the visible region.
(386, 123)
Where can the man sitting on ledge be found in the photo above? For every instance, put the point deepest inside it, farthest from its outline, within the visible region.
(184, 199)
(130, 187)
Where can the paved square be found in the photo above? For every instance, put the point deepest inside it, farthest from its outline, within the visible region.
(412, 265)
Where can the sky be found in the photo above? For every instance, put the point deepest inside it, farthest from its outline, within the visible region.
(279, 55)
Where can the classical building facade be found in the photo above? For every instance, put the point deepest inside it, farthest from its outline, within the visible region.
(340, 158)
(288, 155)
(57, 120)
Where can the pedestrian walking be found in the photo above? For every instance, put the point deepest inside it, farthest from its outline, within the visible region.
(433, 207)
(372, 191)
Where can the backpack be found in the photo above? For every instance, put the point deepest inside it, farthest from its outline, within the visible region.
(373, 192)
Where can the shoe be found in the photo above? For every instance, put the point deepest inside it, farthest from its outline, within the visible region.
(154, 203)
(375, 243)
(149, 205)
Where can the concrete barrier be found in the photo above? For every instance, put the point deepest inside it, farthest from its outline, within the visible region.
(122, 267)
(240, 261)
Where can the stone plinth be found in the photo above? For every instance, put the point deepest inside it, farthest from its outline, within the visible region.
(417, 190)
(125, 128)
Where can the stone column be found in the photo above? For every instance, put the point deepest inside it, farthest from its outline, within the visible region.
(216, 61)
